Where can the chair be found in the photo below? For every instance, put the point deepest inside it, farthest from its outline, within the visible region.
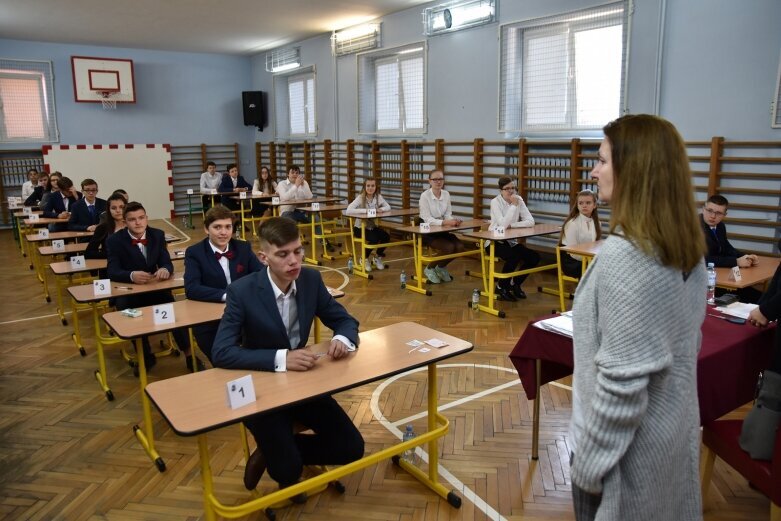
(720, 438)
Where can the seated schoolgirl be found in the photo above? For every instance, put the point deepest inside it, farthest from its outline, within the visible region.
(581, 226)
(370, 198)
(263, 185)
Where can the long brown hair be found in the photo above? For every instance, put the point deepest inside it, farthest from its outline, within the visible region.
(652, 200)
(574, 211)
(362, 195)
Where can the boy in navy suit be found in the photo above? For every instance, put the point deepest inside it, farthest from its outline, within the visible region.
(265, 327)
(233, 182)
(138, 255)
(85, 214)
(214, 263)
(60, 203)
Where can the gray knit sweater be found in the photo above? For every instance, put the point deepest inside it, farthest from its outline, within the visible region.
(635, 412)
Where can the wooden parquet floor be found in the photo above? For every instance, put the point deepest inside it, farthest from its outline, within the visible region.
(67, 453)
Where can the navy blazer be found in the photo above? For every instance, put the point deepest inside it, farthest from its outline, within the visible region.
(80, 218)
(251, 313)
(720, 251)
(227, 186)
(55, 205)
(203, 275)
(124, 257)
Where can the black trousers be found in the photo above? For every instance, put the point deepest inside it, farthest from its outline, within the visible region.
(570, 266)
(336, 441)
(515, 257)
(204, 335)
(152, 299)
(373, 236)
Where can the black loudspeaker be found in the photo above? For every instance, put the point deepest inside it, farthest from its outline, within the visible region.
(253, 103)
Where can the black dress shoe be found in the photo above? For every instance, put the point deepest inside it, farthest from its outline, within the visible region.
(149, 361)
(518, 292)
(504, 294)
(198, 363)
(299, 499)
(256, 465)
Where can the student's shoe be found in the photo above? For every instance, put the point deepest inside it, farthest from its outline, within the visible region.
(298, 499)
(256, 466)
(504, 294)
(367, 266)
(378, 263)
(330, 246)
(518, 292)
(150, 361)
(443, 274)
(431, 275)
(198, 363)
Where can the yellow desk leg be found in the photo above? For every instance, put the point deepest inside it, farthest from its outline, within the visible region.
(491, 283)
(100, 373)
(360, 269)
(60, 306)
(241, 201)
(418, 253)
(561, 280)
(146, 437)
(536, 418)
(76, 335)
(206, 477)
(312, 225)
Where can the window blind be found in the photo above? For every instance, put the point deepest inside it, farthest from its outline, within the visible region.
(27, 111)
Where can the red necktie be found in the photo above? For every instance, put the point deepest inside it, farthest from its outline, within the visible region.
(136, 242)
(228, 255)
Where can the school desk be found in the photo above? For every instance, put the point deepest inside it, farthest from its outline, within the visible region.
(28, 228)
(196, 404)
(587, 251)
(42, 256)
(315, 218)
(759, 274)
(359, 243)
(246, 213)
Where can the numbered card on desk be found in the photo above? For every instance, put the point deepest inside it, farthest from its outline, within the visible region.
(78, 262)
(275, 200)
(315, 207)
(163, 314)
(58, 245)
(189, 191)
(735, 275)
(242, 195)
(27, 210)
(425, 227)
(34, 217)
(371, 212)
(43, 233)
(241, 392)
(101, 287)
(499, 231)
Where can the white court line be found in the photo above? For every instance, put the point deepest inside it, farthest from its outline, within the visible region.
(172, 225)
(459, 486)
(33, 318)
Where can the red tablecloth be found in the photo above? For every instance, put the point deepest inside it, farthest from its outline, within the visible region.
(727, 366)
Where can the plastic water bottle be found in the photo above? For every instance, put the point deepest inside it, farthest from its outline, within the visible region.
(409, 454)
(403, 279)
(475, 299)
(711, 283)
(350, 265)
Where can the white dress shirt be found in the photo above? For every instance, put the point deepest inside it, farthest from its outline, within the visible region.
(224, 264)
(290, 192)
(210, 182)
(577, 231)
(434, 210)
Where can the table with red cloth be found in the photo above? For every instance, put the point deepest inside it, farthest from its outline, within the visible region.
(728, 364)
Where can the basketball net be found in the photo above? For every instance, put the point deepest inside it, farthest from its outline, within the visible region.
(108, 100)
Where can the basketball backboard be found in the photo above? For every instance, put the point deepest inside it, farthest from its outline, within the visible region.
(96, 78)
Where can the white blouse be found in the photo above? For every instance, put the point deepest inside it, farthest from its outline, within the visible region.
(577, 231)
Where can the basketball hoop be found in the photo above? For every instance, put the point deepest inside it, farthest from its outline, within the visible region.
(108, 99)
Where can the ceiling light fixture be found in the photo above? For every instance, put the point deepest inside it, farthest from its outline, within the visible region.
(454, 16)
(280, 60)
(355, 39)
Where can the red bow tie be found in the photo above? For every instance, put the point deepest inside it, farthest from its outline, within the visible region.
(136, 242)
(228, 255)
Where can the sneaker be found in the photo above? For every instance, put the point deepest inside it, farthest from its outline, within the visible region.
(367, 267)
(443, 274)
(378, 263)
(431, 275)
(330, 246)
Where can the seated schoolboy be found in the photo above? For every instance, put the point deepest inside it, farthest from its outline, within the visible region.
(30, 184)
(85, 213)
(60, 203)
(295, 188)
(232, 182)
(210, 180)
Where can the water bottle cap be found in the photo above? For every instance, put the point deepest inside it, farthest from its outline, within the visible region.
(409, 428)
(711, 265)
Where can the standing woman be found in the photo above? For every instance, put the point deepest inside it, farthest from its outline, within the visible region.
(582, 225)
(263, 185)
(634, 433)
(434, 206)
(370, 198)
(509, 211)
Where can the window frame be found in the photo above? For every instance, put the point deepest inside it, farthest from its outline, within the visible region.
(303, 78)
(48, 108)
(281, 102)
(511, 106)
(367, 86)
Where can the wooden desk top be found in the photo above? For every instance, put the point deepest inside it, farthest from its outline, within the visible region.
(589, 249)
(44, 220)
(22, 214)
(65, 268)
(305, 202)
(252, 195)
(197, 403)
(758, 274)
(324, 207)
(53, 236)
(515, 233)
(77, 247)
(187, 312)
(85, 293)
(361, 213)
(467, 224)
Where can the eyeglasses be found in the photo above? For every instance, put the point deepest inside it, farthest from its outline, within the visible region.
(90, 190)
(508, 189)
(710, 211)
(437, 179)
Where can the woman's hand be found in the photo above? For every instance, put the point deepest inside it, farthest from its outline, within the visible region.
(756, 318)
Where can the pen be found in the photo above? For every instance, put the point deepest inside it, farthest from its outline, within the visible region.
(734, 320)
(126, 288)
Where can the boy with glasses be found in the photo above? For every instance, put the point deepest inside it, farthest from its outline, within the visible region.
(85, 213)
(720, 252)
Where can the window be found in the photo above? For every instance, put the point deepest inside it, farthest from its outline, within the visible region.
(776, 104)
(294, 101)
(391, 91)
(27, 102)
(563, 72)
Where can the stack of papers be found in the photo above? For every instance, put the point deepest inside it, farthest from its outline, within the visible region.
(561, 324)
(737, 309)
